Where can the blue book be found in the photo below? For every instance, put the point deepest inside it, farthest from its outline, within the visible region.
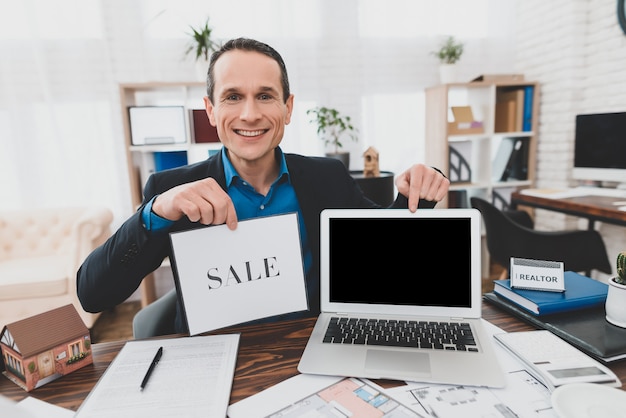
(580, 292)
(169, 159)
(527, 121)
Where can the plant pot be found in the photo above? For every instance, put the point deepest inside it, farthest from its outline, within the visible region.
(447, 73)
(344, 157)
(616, 304)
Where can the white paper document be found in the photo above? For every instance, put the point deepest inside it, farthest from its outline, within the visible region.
(192, 379)
(318, 396)
(31, 407)
(41, 409)
(524, 396)
(228, 277)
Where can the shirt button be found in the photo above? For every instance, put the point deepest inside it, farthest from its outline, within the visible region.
(262, 207)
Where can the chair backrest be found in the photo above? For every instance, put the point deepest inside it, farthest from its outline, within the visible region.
(579, 250)
(158, 318)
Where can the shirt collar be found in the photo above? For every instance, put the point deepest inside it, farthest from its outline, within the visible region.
(230, 173)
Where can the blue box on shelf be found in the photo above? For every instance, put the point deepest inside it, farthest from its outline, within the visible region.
(169, 159)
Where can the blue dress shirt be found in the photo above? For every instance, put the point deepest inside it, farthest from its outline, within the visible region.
(248, 203)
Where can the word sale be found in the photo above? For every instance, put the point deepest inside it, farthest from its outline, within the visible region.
(249, 271)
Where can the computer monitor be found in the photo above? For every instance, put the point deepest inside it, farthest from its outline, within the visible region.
(600, 148)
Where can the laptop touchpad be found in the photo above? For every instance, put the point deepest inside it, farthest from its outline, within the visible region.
(398, 361)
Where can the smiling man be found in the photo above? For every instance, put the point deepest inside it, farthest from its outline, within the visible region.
(249, 102)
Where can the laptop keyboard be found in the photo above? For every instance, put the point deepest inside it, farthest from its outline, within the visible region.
(418, 334)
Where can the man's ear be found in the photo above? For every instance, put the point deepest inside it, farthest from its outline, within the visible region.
(289, 106)
(208, 106)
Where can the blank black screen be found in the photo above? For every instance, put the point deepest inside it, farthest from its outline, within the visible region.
(406, 261)
(600, 140)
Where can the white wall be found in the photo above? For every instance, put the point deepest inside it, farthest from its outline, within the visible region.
(577, 52)
(60, 119)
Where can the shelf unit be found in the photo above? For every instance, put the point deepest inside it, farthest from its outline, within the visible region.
(487, 153)
(140, 158)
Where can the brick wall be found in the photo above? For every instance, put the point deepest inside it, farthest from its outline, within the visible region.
(577, 51)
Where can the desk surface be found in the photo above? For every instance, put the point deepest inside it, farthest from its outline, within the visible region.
(594, 208)
(268, 354)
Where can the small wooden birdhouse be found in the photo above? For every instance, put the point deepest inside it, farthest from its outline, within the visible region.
(370, 164)
(44, 347)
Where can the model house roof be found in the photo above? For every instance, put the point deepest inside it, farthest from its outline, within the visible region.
(44, 331)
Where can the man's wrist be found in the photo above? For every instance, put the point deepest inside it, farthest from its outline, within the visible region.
(151, 221)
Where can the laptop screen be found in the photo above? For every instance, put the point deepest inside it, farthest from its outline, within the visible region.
(394, 261)
(406, 261)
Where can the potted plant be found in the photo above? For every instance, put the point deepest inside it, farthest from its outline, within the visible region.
(332, 126)
(616, 297)
(449, 53)
(201, 46)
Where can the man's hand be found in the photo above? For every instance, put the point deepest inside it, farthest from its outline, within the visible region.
(201, 201)
(422, 182)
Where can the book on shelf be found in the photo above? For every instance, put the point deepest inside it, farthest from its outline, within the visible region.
(517, 167)
(528, 108)
(580, 292)
(502, 158)
(164, 160)
(588, 329)
(510, 162)
(505, 116)
(201, 129)
(514, 116)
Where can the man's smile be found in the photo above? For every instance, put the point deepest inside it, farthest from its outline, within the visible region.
(250, 133)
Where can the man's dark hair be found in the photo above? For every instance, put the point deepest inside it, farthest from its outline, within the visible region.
(247, 44)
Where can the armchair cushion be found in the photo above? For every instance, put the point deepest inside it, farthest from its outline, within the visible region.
(33, 277)
(40, 253)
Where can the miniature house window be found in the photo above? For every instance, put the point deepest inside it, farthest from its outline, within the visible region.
(75, 349)
(14, 364)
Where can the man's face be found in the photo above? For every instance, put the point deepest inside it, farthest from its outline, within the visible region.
(248, 110)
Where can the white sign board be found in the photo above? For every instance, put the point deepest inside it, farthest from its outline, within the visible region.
(227, 277)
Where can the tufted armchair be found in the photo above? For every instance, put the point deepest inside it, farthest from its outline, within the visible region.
(40, 253)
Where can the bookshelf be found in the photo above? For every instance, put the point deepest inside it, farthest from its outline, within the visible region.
(492, 155)
(196, 141)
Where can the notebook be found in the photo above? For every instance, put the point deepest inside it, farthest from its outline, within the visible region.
(410, 270)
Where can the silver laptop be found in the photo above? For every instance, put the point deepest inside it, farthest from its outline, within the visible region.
(417, 278)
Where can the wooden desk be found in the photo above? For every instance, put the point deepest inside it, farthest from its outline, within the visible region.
(593, 208)
(268, 354)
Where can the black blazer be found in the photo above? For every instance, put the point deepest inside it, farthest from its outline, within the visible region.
(113, 271)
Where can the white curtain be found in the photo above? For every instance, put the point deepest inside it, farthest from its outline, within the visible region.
(62, 61)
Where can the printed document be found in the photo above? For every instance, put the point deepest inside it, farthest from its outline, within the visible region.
(192, 379)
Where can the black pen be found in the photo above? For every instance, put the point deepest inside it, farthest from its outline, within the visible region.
(155, 360)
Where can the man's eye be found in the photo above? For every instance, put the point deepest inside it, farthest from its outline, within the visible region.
(232, 97)
(265, 97)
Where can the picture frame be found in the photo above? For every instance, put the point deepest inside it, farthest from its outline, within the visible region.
(157, 125)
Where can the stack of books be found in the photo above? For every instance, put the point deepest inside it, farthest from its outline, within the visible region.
(576, 315)
(580, 292)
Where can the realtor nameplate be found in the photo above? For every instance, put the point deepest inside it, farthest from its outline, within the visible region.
(537, 275)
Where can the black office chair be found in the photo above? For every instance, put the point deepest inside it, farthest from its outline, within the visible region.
(510, 233)
(157, 318)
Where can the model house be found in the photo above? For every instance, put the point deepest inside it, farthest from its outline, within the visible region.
(44, 347)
